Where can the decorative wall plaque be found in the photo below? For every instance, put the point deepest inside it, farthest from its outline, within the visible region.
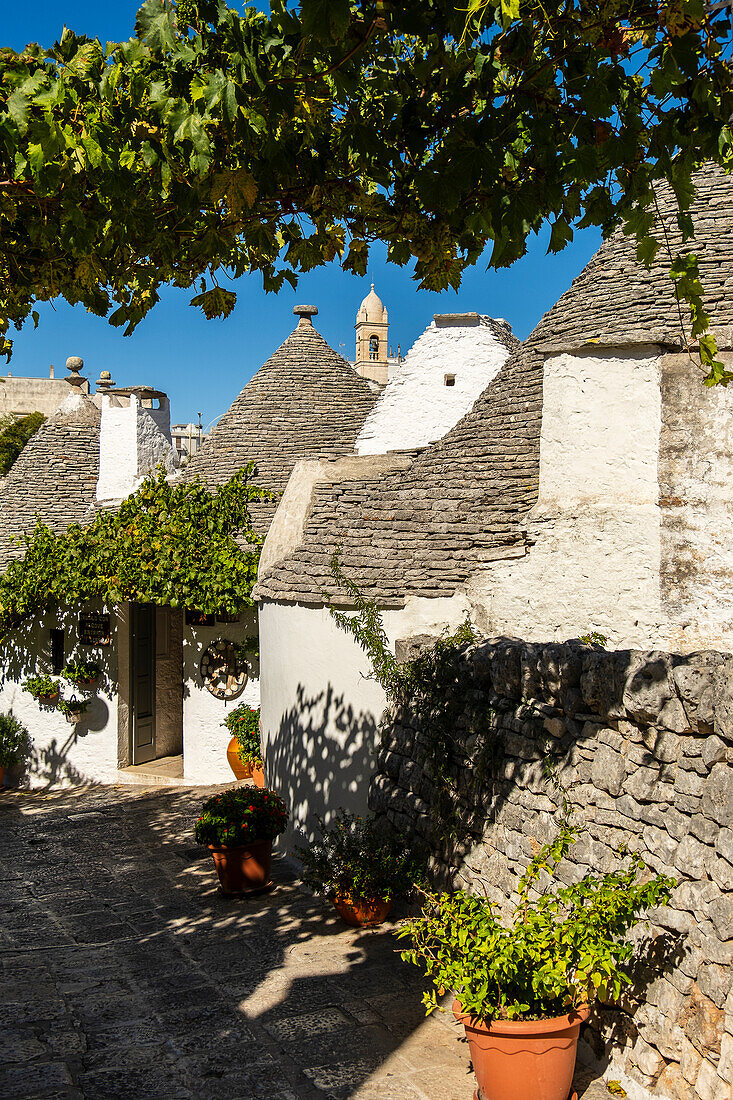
(224, 669)
(94, 628)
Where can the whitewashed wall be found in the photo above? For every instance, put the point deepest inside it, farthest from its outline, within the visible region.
(631, 533)
(417, 407)
(205, 740)
(596, 560)
(696, 501)
(62, 754)
(321, 707)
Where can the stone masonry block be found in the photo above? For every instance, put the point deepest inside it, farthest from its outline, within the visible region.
(602, 681)
(723, 701)
(608, 770)
(717, 799)
(715, 981)
(724, 844)
(702, 1023)
(721, 914)
(648, 686)
(713, 750)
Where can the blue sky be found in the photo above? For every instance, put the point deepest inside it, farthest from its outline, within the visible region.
(203, 364)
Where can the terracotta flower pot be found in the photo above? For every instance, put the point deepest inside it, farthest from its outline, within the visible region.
(49, 700)
(245, 868)
(258, 775)
(523, 1059)
(361, 912)
(241, 771)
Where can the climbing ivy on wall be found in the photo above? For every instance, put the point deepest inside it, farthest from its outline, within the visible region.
(430, 688)
(174, 545)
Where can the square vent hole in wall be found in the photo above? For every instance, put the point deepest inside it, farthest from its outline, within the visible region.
(449, 380)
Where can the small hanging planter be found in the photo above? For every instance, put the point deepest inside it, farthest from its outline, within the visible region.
(73, 709)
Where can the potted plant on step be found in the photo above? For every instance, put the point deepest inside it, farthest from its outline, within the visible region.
(239, 827)
(523, 986)
(44, 689)
(13, 742)
(361, 866)
(244, 751)
(82, 673)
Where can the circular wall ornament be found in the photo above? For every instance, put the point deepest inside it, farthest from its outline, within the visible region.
(224, 669)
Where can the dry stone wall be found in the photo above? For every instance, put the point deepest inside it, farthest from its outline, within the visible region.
(643, 743)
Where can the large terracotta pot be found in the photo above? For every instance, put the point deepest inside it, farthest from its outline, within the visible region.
(258, 775)
(361, 912)
(241, 771)
(523, 1059)
(244, 868)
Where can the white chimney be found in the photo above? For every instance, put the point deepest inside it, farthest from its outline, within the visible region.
(134, 440)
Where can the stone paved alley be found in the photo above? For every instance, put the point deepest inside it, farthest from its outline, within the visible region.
(125, 974)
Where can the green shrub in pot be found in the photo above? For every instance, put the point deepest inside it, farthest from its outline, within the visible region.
(562, 946)
(243, 722)
(523, 985)
(360, 859)
(14, 742)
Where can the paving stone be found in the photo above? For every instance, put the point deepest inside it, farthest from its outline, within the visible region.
(34, 1079)
(341, 1078)
(270, 1000)
(19, 1046)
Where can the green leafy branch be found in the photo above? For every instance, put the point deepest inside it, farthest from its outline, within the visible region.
(169, 544)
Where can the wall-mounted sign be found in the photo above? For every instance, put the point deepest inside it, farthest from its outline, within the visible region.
(224, 669)
(94, 628)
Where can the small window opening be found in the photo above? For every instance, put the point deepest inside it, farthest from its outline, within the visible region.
(449, 380)
(374, 347)
(57, 650)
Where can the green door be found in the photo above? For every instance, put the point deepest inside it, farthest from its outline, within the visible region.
(142, 667)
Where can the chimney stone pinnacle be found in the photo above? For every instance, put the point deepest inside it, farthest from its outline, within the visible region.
(305, 313)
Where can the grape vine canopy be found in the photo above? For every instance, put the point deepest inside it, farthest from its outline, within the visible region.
(216, 142)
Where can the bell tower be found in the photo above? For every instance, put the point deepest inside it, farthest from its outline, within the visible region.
(372, 327)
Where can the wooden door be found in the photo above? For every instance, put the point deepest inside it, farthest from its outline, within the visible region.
(142, 669)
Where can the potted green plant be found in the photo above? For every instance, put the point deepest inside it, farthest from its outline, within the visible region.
(523, 985)
(244, 751)
(44, 689)
(81, 673)
(239, 826)
(74, 709)
(361, 866)
(13, 742)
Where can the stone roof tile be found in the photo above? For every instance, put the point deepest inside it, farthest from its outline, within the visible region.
(306, 401)
(54, 478)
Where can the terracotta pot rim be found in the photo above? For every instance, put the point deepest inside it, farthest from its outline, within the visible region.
(239, 847)
(523, 1027)
(358, 899)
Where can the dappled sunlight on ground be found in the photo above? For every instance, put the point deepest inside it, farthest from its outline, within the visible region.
(126, 973)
